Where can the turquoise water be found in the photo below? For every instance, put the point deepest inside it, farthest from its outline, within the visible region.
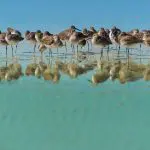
(74, 115)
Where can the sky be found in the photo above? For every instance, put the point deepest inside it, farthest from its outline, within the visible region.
(56, 15)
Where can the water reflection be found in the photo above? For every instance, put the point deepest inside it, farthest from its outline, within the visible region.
(124, 71)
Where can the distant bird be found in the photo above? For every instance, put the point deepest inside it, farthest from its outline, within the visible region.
(89, 35)
(38, 36)
(128, 41)
(146, 38)
(76, 38)
(3, 42)
(103, 33)
(13, 39)
(113, 35)
(14, 31)
(101, 39)
(52, 41)
(30, 36)
(65, 35)
(92, 29)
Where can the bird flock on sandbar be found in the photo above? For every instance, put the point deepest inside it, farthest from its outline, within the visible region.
(74, 40)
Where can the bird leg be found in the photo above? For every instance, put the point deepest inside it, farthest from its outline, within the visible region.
(57, 52)
(140, 53)
(101, 54)
(50, 54)
(128, 58)
(41, 56)
(118, 51)
(16, 49)
(6, 55)
(88, 45)
(91, 46)
(108, 53)
(34, 48)
(126, 55)
(72, 46)
(77, 50)
(66, 48)
(12, 51)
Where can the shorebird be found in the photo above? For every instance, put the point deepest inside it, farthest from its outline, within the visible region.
(101, 39)
(76, 38)
(146, 38)
(93, 30)
(38, 36)
(139, 35)
(13, 39)
(65, 35)
(30, 36)
(3, 42)
(103, 33)
(52, 41)
(89, 35)
(113, 35)
(15, 32)
(128, 41)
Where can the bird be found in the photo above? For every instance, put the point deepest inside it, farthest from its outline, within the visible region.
(93, 30)
(101, 39)
(13, 39)
(139, 35)
(128, 41)
(4, 42)
(38, 36)
(89, 35)
(114, 32)
(146, 38)
(65, 35)
(15, 32)
(30, 36)
(113, 35)
(76, 37)
(52, 41)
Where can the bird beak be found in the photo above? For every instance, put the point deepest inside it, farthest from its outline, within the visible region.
(77, 29)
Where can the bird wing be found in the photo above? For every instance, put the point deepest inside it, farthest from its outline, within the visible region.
(48, 40)
(15, 37)
(2, 35)
(130, 39)
(31, 35)
(65, 34)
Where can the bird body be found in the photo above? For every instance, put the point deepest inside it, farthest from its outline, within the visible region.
(100, 41)
(76, 37)
(128, 40)
(13, 39)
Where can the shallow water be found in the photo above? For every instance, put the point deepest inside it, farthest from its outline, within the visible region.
(74, 115)
(71, 115)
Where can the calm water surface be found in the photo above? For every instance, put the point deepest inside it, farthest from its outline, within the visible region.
(74, 115)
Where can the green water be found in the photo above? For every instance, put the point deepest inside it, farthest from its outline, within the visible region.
(74, 115)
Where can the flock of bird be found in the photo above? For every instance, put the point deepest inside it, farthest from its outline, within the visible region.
(103, 38)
